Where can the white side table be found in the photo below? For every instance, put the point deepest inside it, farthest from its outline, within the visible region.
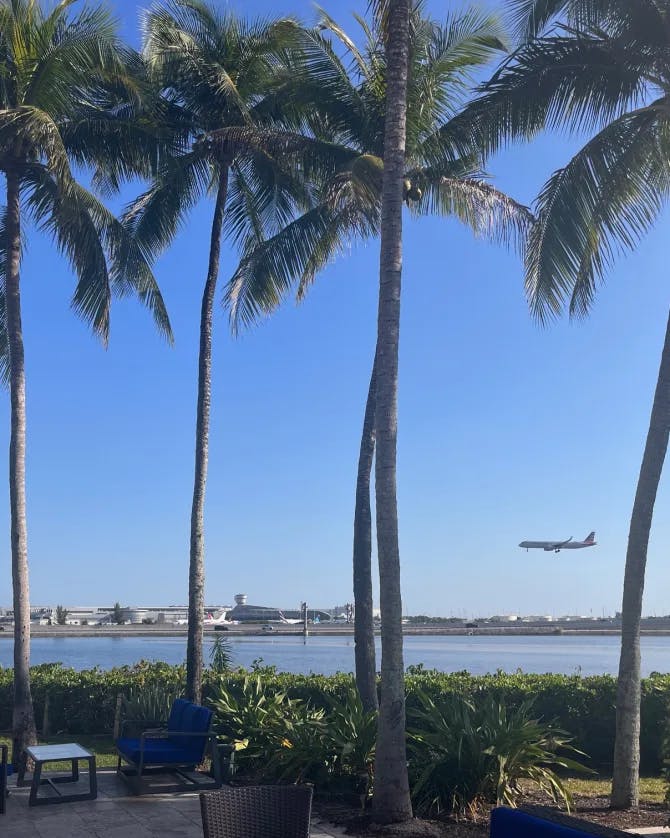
(71, 752)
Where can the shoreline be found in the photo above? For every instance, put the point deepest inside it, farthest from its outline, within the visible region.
(255, 630)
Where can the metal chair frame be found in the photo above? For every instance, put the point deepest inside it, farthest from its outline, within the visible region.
(137, 775)
(3, 778)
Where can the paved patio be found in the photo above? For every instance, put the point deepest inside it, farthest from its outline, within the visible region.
(115, 814)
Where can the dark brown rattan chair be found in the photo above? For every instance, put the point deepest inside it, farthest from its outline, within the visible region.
(257, 812)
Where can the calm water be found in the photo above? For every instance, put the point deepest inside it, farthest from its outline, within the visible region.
(588, 655)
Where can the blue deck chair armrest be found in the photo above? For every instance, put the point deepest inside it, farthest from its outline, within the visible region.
(165, 734)
(189, 733)
(160, 733)
(145, 724)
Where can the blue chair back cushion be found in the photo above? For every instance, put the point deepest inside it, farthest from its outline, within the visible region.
(174, 721)
(194, 719)
(511, 823)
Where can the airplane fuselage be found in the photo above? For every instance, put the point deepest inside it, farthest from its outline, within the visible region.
(557, 546)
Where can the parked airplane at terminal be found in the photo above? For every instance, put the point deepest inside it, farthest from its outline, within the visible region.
(557, 546)
(211, 620)
(287, 620)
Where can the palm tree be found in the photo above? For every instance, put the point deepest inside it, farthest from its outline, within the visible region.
(60, 76)
(364, 633)
(342, 91)
(606, 68)
(391, 800)
(219, 72)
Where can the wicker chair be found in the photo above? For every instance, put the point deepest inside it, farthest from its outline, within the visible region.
(257, 812)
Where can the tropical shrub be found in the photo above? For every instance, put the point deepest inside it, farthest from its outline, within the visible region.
(85, 701)
(250, 717)
(464, 756)
(353, 733)
(301, 752)
(220, 655)
(149, 703)
(291, 740)
(332, 747)
(665, 743)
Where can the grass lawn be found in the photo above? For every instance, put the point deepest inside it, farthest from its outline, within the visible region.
(652, 789)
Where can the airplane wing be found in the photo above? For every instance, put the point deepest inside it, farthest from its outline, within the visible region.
(545, 545)
(559, 544)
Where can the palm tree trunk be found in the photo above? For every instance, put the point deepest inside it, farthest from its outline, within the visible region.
(196, 575)
(391, 801)
(625, 779)
(23, 722)
(364, 631)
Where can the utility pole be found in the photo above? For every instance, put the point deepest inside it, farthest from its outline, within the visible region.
(303, 607)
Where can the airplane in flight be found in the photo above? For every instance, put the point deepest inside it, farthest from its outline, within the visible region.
(557, 546)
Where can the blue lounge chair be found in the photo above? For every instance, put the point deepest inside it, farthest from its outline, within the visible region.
(543, 822)
(177, 749)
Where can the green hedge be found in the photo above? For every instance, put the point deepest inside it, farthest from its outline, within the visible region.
(84, 701)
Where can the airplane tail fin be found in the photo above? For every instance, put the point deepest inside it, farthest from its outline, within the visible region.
(590, 538)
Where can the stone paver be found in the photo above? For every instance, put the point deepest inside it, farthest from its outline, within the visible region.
(115, 814)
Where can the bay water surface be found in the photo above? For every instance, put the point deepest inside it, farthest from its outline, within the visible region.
(586, 655)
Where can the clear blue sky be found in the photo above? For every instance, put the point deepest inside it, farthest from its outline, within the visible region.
(506, 431)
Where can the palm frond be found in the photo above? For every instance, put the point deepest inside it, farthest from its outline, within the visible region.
(466, 41)
(329, 23)
(532, 18)
(124, 127)
(182, 40)
(62, 215)
(316, 157)
(325, 93)
(580, 81)
(444, 59)
(219, 65)
(266, 276)
(264, 194)
(36, 130)
(155, 216)
(105, 257)
(602, 202)
(67, 53)
(488, 212)
(347, 225)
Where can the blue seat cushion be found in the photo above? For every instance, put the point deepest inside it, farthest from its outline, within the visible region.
(511, 823)
(161, 751)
